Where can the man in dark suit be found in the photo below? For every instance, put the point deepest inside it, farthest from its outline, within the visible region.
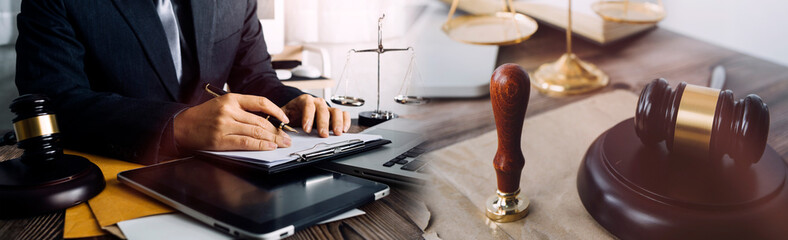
(125, 77)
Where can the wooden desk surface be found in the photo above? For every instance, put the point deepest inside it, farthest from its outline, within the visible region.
(630, 63)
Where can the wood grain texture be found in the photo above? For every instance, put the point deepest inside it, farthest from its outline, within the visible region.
(620, 181)
(385, 219)
(47, 226)
(510, 89)
(630, 63)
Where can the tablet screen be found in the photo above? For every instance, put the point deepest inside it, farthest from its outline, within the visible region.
(227, 194)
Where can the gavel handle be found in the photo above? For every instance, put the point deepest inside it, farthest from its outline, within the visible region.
(9, 138)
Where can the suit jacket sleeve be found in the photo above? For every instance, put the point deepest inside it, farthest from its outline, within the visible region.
(50, 62)
(252, 72)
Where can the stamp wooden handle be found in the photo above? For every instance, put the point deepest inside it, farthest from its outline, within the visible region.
(509, 91)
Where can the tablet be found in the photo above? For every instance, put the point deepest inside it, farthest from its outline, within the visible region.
(249, 204)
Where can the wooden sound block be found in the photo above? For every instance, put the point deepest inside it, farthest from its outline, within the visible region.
(640, 192)
(28, 189)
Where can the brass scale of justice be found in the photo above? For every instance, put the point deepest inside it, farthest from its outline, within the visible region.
(370, 118)
(566, 76)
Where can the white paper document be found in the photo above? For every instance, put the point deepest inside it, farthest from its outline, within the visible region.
(169, 226)
(179, 226)
(300, 143)
(348, 214)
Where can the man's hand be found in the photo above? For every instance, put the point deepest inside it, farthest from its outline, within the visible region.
(225, 123)
(307, 110)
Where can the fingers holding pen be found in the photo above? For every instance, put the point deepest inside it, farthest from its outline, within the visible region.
(223, 123)
(257, 127)
(260, 104)
(240, 142)
(280, 138)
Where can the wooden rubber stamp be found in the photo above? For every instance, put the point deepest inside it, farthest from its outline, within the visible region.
(692, 164)
(509, 91)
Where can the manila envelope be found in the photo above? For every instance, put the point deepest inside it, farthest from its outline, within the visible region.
(116, 203)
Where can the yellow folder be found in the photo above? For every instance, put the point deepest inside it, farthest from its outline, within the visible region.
(115, 204)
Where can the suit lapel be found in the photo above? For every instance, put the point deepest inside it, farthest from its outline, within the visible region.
(144, 21)
(203, 16)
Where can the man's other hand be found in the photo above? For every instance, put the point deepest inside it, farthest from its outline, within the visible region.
(308, 110)
(225, 123)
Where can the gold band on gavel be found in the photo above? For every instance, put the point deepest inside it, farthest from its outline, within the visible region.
(35, 126)
(692, 135)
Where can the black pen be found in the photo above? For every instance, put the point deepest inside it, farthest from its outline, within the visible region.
(216, 92)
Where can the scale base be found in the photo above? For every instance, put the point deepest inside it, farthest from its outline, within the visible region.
(507, 207)
(644, 192)
(568, 75)
(372, 118)
(28, 189)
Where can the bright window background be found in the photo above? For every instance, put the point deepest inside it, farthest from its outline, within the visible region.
(755, 27)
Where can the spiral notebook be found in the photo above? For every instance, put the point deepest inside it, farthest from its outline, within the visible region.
(305, 149)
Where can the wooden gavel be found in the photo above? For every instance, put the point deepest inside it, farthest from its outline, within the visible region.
(702, 123)
(509, 91)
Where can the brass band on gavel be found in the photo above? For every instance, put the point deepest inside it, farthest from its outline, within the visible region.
(35, 126)
(694, 121)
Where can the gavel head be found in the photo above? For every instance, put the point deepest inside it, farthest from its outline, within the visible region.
(36, 128)
(701, 122)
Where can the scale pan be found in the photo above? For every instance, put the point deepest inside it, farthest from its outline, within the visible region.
(629, 12)
(347, 101)
(493, 29)
(410, 100)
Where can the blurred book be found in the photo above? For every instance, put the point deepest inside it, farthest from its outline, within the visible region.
(585, 22)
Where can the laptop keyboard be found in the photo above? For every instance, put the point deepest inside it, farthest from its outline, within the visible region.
(407, 165)
(414, 165)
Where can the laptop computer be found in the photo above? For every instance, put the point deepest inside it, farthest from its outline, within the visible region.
(397, 162)
(448, 68)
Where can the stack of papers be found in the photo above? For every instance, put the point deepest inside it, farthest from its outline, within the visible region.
(585, 22)
(118, 203)
(180, 226)
(301, 142)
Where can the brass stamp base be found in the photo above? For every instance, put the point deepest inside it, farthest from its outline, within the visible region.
(568, 75)
(507, 207)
